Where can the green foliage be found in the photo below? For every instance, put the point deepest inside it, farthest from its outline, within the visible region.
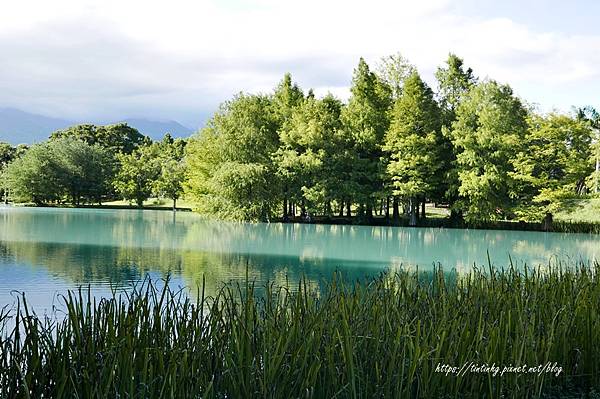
(137, 174)
(472, 147)
(489, 131)
(60, 169)
(309, 156)
(230, 168)
(118, 138)
(454, 84)
(393, 70)
(553, 164)
(7, 154)
(590, 115)
(413, 141)
(287, 96)
(383, 338)
(169, 183)
(365, 122)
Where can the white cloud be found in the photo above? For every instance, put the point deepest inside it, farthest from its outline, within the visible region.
(179, 59)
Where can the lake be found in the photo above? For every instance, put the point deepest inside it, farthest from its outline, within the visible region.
(46, 251)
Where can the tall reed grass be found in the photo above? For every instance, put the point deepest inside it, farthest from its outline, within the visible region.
(379, 338)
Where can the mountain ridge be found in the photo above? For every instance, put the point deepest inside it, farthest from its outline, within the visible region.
(22, 127)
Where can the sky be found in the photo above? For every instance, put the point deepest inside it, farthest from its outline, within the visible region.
(178, 60)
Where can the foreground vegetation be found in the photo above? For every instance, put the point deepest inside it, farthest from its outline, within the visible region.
(381, 338)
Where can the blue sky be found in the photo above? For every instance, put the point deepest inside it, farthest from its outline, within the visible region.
(570, 17)
(102, 60)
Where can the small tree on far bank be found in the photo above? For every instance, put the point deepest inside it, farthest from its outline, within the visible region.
(170, 181)
(136, 175)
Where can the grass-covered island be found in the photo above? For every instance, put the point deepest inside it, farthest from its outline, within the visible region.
(398, 335)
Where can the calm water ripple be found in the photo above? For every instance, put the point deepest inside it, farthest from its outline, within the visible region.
(46, 251)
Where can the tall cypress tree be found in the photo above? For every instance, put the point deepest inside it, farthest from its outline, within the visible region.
(287, 97)
(454, 82)
(365, 121)
(413, 144)
(488, 132)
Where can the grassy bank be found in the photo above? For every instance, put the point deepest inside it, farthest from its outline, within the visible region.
(384, 338)
(155, 204)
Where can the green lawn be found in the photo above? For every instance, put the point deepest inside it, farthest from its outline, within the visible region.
(153, 202)
(587, 210)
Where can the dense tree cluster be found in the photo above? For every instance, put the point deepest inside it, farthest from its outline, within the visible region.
(87, 164)
(471, 145)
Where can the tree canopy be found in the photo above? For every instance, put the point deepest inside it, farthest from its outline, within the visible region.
(118, 138)
(471, 146)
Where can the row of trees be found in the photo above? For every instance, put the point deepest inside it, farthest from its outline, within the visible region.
(471, 145)
(91, 164)
(395, 145)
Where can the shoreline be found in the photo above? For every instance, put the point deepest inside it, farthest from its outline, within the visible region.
(559, 226)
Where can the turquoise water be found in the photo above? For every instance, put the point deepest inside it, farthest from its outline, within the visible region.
(45, 251)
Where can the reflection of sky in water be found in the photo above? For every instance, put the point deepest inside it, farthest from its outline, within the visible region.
(47, 251)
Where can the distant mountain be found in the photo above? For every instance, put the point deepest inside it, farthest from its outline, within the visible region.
(157, 129)
(20, 127)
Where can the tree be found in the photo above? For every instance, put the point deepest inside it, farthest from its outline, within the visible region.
(170, 180)
(454, 82)
(85, 171)
(394, 70)
(172, 168)
(413, 144)
(306, 159)
(54, 170)
(117, 138)
(7, 154)
(487, 134)
(230, 168)
(592, 117)
(33, 177)
(365, 122)
(286, 98)
(137, 173)
(554, 164)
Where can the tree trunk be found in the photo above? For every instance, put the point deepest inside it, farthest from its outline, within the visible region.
(412, 209)
(547, 225)
(416, 204)
(598, 175)
(396, 209)
(369, 208)
(140, 203)
(423, 209)
(341, 209)
(387, 208)
(349, 209)
(328, 208)
(174, 204)
(455, 216)
(285, 209)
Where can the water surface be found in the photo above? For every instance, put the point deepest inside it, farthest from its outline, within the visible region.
(45, 251)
